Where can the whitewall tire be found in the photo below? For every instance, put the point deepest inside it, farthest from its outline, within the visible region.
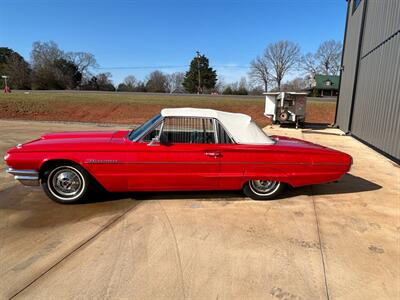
(263, 189)
(66, 183)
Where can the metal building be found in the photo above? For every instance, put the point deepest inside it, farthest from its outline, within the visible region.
(369, 100)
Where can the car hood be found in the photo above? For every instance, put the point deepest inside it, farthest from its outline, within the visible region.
(72, 141)
(79, 135)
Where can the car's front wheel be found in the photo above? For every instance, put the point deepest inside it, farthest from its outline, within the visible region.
(65, 183)
(263, 189)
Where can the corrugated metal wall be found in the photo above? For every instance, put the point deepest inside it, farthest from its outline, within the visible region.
(376, 107)
(349, 63)
(376, 116)
(381, 21)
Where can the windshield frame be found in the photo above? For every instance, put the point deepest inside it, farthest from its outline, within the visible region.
(140, 131)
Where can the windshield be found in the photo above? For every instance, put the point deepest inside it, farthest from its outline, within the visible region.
(137, 133)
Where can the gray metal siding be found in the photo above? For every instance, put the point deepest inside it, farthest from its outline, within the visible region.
(377, 103)
(376, 117)
(382, 20)
(349, 63)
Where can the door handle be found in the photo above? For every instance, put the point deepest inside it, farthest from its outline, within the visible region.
(213, 154)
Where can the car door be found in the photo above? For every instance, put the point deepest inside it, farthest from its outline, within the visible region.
(234, 159)
(184, 158)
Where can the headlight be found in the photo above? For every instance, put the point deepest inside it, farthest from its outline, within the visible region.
(6, 156)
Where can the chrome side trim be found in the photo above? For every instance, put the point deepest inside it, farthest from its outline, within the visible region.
(26, 177)
(224, 163)
(102, 161)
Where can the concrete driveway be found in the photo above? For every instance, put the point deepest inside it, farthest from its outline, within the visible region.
(329, 241)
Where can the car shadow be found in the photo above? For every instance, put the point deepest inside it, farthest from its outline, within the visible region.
(29, 207)
(346, 185)
(316, 126)
(176, 195)
(306, 125)
(19, 198)
(310, 131)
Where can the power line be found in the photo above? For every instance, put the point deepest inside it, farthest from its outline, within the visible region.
(140, 67)
(167, 67)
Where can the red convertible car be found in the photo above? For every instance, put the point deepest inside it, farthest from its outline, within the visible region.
(178, 149)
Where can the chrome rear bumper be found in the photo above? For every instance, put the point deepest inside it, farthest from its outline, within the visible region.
(26, 177)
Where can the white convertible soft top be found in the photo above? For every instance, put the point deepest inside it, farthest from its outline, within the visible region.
(240, 126)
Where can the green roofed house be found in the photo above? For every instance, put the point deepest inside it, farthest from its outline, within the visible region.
(324, 85)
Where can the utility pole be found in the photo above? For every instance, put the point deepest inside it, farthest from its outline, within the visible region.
(6, 90)
(198, 71)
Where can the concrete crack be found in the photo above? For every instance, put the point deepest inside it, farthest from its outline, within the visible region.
(80, 246)
(319, 237)
(176, 249)
(320, 245)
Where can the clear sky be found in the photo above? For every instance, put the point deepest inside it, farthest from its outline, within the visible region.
(152, 34)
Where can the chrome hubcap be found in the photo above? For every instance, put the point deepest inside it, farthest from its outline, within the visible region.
(264, 186)
(66, 182)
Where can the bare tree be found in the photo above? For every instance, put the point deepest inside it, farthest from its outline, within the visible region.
(104, 78)
(174, 82)
(84, 61)
(242, 84)
(130, 81)
(44, 54)
(237, 88)
(329, 56)
(220, 85)
(99, 82)
(325, 61)
(156, 82)
(297, 84)
(282, 57)
(131, 84)
(259, 72)
(50, 68)
(309, 64)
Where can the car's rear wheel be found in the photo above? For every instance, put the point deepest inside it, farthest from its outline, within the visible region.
(66, 183)
(263, 189)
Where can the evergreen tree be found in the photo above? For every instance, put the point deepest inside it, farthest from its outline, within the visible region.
(13, 65)
(208, 76)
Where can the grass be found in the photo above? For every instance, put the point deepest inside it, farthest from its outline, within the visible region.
(116, 97)
(114, 107)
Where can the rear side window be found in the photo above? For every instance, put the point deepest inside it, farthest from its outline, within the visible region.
(223, 136)
(188, 130)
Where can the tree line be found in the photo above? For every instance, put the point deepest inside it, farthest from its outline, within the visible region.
(52, 68)
(284, 57)
(49, 68)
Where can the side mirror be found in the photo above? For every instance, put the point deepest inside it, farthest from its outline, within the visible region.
(154, 142)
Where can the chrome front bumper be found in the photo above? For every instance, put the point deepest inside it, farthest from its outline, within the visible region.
(26, 177)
